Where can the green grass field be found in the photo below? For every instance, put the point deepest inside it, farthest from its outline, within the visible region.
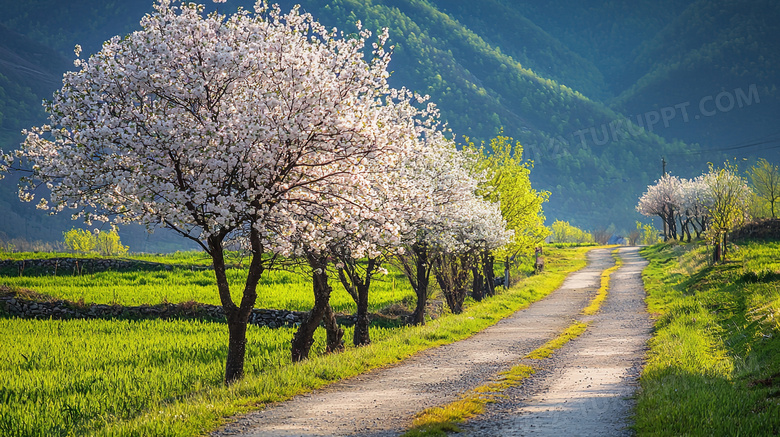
(277, 289)
(714, 362)
(163, 378)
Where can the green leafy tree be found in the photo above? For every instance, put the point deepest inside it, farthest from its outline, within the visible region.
(108, 243)
(648, 234)
(79, 240)
(765, 179)
(508, 182)
(727, 205)
(563, 232)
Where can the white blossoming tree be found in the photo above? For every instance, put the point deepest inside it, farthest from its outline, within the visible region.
(662, 200)
(214, 126)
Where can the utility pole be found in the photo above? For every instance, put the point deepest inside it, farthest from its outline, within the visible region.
(666, 225)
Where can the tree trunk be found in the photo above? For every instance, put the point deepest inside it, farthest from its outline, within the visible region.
(304, 337)
(477, 289)
(422, 278)
(452, 274)
(716, 255)
(334, 333)
(237, 316)
(234, 367)
(358, 288)
(487, 269)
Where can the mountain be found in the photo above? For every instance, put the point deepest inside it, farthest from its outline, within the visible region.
(722, 60)
(586, 87)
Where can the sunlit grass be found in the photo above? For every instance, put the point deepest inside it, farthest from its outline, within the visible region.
(714, 362)
(277, 289)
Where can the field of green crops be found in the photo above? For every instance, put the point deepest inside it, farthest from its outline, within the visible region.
(277, 289)
(163, 377)
(75, 377)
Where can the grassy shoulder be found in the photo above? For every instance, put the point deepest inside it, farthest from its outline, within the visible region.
(102, 377)
(714, 361)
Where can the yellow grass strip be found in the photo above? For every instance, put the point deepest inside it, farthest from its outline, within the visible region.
(437, 421)
(556, 343)
(595, 304)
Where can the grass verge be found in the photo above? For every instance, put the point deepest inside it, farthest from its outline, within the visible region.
(137, 377)
(714, 361)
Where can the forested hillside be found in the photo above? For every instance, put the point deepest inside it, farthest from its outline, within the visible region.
(713, 47)
(575, 83)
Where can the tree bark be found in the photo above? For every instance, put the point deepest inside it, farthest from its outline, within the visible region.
(237, 316)
(477, 289)
(422, 278)
(452, 273)
(304, 337)
(716, 254)
(334, 333)
(487, 268)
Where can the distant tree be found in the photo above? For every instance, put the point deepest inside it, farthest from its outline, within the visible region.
(727, 205)
(563, 232)
(692, 197)
(107, 243)
(633, 237)
(79, 240)
(662, 199)
(765, 179)
(649, 235)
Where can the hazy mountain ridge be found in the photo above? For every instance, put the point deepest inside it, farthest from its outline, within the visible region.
(545, 74)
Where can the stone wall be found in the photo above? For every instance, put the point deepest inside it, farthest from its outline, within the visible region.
(15, 306)
(53, 266)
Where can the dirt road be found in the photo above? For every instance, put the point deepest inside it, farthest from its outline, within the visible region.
(593, 373)
(586, 388)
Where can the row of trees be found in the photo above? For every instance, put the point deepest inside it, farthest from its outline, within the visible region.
(102, 242)
(711, 205)
(563, 232)
(269, 132)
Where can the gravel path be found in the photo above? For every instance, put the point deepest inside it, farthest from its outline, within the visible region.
(383, 402)
(586, 388)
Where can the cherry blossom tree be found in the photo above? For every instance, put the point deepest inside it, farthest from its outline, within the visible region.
(662, 200)
(474, 227)
(363, 216)
(693, 196)
(443, 182)
(216, 127)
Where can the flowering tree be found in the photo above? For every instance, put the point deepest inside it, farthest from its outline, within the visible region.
(213, 126)
(443, 182)
(693, 197)
(662, 200)
(476, 227)
(360, 214)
